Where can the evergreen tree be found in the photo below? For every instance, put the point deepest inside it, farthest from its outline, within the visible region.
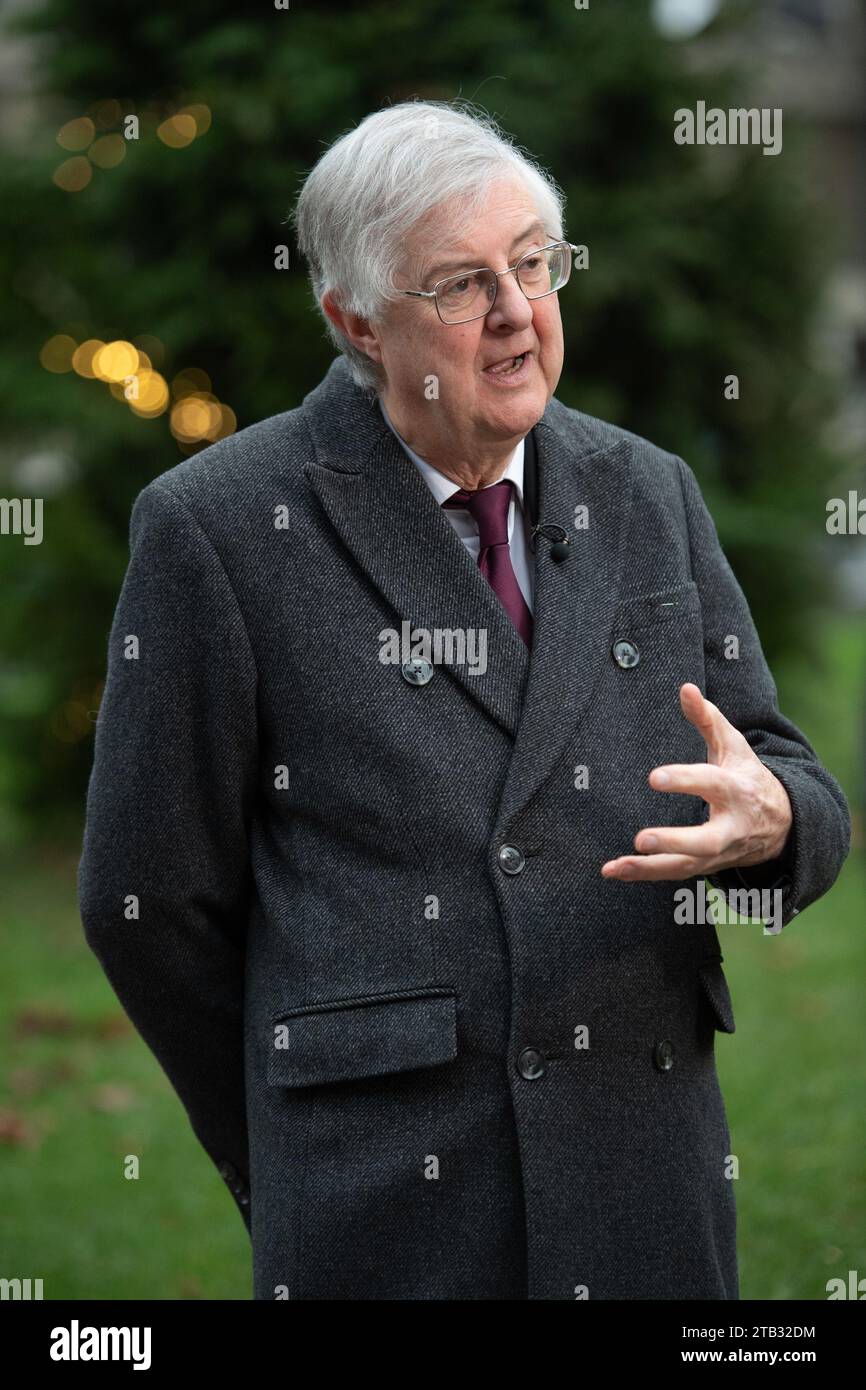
(704, 263)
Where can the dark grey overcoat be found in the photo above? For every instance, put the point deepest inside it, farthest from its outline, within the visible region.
(429, 1066)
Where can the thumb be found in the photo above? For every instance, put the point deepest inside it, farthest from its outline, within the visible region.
(707, 718)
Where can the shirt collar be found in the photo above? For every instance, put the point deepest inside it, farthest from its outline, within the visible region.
(442, 487)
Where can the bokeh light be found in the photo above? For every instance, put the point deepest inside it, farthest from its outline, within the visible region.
(178, 131)
(115, 361)
(82, 358)
(74, 174)
(77, 134)
(108, 151)
(153, 396)
(56, 354)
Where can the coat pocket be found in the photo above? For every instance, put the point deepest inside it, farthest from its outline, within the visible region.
(348, 1039)
(715, 988)
(636, 611)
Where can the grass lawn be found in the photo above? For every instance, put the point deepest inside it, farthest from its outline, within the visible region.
(79, 1090)
(792, 1074)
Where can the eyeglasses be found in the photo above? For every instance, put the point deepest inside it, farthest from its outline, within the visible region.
(538, 273)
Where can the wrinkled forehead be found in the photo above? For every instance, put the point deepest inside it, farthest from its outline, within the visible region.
(453, 235)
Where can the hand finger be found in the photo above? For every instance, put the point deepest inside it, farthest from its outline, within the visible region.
(708, 841)
(696, 779)
(707, 718)
(652, 867)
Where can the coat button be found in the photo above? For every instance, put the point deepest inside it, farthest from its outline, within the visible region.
(531, 1064)
(511, 859)
(625, 653)
(237, 1185)
(663, 1055)
(417, 671)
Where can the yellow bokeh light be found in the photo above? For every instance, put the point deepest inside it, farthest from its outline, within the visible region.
(82, 357)
(120, 390)
(228, 422)
(77, 134)
(177, 131)
(195, 417)
(115, 361)
(200, 114)
(56, 354)
(152, 395)
(74, 174)
(108, 151)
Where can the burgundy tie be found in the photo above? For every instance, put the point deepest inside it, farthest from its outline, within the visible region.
(489, 507)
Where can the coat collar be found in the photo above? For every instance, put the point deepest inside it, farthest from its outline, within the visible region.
(442, 487)
(385, 514)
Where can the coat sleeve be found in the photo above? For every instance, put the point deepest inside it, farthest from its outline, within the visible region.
(164, 880)
(746, 694)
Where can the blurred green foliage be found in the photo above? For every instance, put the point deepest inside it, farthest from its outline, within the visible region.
(703, 263)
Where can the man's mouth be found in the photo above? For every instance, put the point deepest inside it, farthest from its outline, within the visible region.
(507, 365)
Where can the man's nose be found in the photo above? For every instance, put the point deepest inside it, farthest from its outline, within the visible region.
(511, 305)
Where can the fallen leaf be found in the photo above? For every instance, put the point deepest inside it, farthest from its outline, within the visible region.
(113, 1098)
(14, 1129)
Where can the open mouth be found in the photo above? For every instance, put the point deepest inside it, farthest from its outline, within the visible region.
(507, 367)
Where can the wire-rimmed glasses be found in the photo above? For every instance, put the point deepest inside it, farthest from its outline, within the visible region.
(540, 272)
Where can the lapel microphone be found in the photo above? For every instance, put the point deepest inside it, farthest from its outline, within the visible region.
(558, 535)
(559, 549)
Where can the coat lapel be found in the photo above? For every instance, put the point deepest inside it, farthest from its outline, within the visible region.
(385, 514)
(575, 600)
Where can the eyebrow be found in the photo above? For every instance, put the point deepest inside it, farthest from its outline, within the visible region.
(442, 267)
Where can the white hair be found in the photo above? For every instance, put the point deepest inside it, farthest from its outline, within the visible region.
(374, 183)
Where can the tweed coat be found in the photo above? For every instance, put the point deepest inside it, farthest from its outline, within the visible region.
(357, 912)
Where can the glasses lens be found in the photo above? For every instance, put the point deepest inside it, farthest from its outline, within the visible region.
(544, 271)
(466, 296)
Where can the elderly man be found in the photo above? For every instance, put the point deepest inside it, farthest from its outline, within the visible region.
(422, 940)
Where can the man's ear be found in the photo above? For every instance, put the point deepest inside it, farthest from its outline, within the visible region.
(359, 331)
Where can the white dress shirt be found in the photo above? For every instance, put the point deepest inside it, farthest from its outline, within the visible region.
(463, 521)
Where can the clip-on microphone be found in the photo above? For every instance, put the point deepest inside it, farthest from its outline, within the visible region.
(559, 550)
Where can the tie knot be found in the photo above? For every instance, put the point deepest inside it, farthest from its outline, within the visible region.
(489, 508)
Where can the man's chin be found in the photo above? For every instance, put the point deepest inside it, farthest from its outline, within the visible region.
(508, 418)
